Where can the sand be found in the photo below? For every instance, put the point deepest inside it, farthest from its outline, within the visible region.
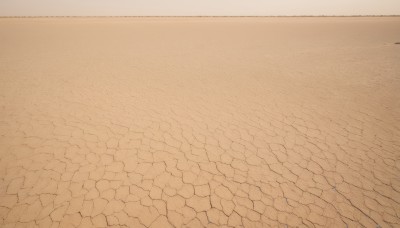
(159, 122)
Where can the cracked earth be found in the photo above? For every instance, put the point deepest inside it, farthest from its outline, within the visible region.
(212, 122)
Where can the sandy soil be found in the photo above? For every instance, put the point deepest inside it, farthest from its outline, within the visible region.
(159, 122)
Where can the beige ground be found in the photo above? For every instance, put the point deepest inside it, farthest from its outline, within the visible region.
(200, 122)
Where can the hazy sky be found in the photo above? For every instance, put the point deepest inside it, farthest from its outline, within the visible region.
(197, 7)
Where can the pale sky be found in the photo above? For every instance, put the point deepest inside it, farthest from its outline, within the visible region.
(197, 7)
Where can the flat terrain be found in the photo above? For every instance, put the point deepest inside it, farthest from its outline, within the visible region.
(158, 122)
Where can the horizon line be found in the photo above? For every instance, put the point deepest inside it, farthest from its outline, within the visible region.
(356, 15)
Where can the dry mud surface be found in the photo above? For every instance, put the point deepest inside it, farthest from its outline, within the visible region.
(191, 122)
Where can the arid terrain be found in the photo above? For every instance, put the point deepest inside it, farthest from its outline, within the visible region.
(200, 122)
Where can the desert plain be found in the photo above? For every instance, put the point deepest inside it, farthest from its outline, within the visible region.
(200, 122)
